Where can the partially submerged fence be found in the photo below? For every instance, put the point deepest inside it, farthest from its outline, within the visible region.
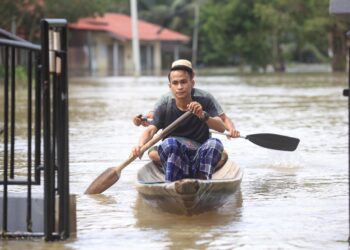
(42, 147)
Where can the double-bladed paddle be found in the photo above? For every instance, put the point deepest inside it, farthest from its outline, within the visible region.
(112, 174)
(271, 141)
(266, 140)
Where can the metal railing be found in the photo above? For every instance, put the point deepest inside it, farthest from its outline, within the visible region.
(47, 66)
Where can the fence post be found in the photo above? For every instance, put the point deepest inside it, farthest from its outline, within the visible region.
(49, 180)
(55, 113)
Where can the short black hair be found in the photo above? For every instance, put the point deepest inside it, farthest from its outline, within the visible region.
(184, 68)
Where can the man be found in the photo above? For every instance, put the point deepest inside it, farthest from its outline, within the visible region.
(229, 125)
(187, 152)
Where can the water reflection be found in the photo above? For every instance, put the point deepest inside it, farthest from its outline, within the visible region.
(103, 199)
(37, 244)
(273, 185)
(189, 232)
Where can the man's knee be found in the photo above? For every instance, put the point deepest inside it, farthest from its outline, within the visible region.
(169, 145)
(153, 155)
(215, 144)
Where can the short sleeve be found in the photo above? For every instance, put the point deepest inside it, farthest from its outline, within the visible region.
(216, 104)
(163, 99)
(159, 115)
(211, 108)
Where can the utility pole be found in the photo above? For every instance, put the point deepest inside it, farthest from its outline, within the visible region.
(135, 38)
(195, 33)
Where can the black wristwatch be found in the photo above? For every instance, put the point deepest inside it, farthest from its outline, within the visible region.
(205, 117)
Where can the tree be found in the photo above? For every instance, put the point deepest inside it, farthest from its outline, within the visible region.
(172, 14)
(276, 18)
(177, 15)
(263, 32)
(326, 33)
(231, 34)
(26, 14)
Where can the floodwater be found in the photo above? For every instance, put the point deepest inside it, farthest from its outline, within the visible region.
(288, 200)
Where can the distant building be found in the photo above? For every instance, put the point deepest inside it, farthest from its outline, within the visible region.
(102, 46)
(340, 9)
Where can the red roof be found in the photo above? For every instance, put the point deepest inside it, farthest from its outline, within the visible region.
(120, 25)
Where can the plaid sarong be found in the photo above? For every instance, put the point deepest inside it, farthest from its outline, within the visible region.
(180, 161)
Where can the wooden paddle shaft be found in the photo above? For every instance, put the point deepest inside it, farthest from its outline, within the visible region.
(156, 139)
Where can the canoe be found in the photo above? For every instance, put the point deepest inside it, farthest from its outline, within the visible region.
(188, 196)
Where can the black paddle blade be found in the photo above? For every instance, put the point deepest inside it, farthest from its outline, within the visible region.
(274, 141)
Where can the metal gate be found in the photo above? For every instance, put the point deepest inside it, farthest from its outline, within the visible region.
(46, 137)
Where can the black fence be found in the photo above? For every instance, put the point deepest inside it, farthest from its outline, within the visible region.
(42, 69)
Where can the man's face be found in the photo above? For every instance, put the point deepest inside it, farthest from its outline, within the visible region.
(180, 84)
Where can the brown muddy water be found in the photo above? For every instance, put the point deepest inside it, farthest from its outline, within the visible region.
(288, 200)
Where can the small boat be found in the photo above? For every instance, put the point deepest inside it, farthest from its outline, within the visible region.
(188, 196)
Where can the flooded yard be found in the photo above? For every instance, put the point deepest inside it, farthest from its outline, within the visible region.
(287, 200)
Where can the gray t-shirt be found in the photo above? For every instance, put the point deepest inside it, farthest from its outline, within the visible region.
(193, 128)
(195, 93)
